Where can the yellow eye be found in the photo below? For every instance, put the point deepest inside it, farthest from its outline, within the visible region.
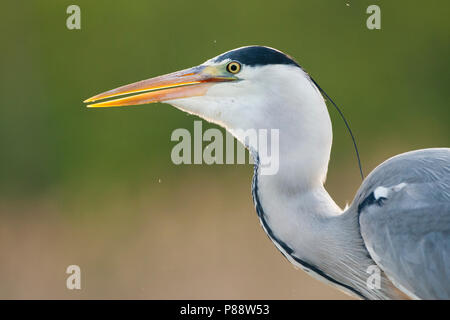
(233, 67)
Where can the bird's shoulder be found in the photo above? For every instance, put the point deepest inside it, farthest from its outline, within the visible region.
(427, 167)
(403, 209)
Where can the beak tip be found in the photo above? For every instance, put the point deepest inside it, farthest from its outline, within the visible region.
(93, 106)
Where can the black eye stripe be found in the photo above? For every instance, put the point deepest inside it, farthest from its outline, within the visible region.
(257, 56)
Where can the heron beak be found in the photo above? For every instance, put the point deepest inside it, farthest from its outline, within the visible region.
(181, 84)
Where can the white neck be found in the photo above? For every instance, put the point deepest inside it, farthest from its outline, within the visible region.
(295, 209)
(300, 216)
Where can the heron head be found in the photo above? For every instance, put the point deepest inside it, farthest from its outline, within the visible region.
(243, 88)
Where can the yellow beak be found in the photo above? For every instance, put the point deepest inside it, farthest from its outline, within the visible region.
(181, 84)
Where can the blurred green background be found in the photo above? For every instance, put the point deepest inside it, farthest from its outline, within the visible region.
(97, 188)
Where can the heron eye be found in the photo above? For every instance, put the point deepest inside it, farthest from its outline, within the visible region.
(234, 67)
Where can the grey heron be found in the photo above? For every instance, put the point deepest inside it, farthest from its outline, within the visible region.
(399, 220)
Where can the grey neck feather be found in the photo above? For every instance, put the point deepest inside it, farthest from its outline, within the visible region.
(337, 254)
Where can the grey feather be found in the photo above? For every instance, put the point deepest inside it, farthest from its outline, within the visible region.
(405, 224)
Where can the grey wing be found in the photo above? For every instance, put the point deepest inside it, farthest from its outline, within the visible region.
(404, 216)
